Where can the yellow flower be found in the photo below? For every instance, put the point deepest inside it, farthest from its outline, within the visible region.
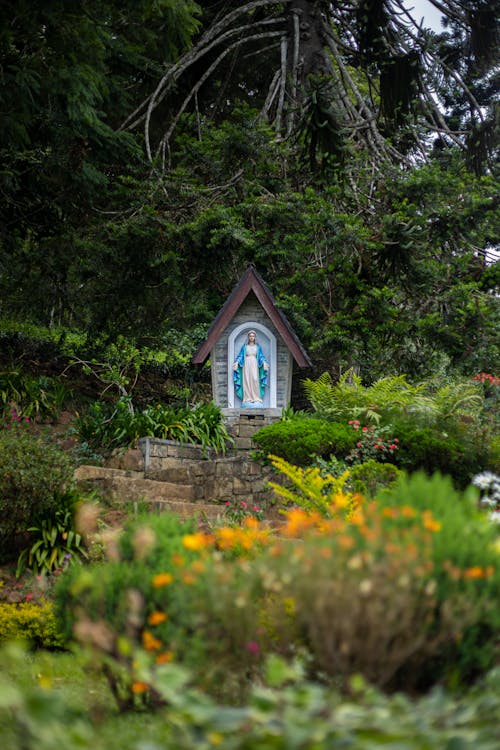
(162, 579)
(196, 541)
(215, 738)
(155, 618)
(340, 500)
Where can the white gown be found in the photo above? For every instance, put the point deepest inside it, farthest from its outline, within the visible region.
(251, 385)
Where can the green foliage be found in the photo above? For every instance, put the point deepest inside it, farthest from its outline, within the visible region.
(104, 603)
(435, 425)
(465, 557)
(32, 397)
(105, 426)
(401, 590)
(35, 624)
(299, 440)
(371, 476)
(430, 450)
(286, 711)
(427, 403)
(56, 543)
(34, 475)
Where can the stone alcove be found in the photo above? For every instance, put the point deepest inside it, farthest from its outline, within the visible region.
(251, 306)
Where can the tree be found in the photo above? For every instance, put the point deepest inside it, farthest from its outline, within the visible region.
(354, 74)
(70, 71)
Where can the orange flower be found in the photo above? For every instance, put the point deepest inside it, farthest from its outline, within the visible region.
(429, 522)
(149, 642)
(188, 579)
(155, 618)
(251, 523)
(178, 560)
(226, 537)
(390, 512)
(165, 657)
(139, 687)
(162, 579)
(296, 522)
(475, 572)
(345, 541)
(358, 517)
(408, 512)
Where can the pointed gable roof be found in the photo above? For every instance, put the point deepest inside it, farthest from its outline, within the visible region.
(252, 282)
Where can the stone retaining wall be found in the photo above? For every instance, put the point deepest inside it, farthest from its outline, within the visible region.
(205, 476)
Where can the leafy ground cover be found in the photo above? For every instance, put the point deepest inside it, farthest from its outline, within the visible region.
(49, 700)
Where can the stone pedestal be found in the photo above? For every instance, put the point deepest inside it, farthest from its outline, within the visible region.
(242, 424)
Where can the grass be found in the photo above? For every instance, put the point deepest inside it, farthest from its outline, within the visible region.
(88, 704)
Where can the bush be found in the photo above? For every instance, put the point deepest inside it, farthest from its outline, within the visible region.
(34, 623)
(33, 477)
(370, 477)
(104, 603)
(286, 712)
(107, 426)
(429, 451)
(300, 440)
(465, 557)
(402, 590)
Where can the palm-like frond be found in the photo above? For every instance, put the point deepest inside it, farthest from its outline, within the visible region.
(337, 401)
(458, 399)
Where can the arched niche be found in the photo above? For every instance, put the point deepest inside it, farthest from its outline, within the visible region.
(267, 341)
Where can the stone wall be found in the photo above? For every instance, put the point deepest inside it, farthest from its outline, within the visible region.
(206, 476)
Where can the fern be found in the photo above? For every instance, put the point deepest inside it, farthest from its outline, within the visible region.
(392, 398)
(313, 492)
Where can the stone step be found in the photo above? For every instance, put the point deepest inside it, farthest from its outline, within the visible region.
(125, 485)
(211, 511)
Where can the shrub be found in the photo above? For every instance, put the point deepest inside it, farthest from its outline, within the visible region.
(34, 623)
(465, 556)
(371, 476)
(33, 477)
(107, 426)
(105, 603)
(287, 712)
(429, 451)
(402, 590)
(300, 440)
(372, 443)
(56, 542)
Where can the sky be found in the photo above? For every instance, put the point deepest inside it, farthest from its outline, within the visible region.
(424, 9)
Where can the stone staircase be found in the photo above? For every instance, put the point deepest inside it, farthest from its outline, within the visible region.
(165, 475)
